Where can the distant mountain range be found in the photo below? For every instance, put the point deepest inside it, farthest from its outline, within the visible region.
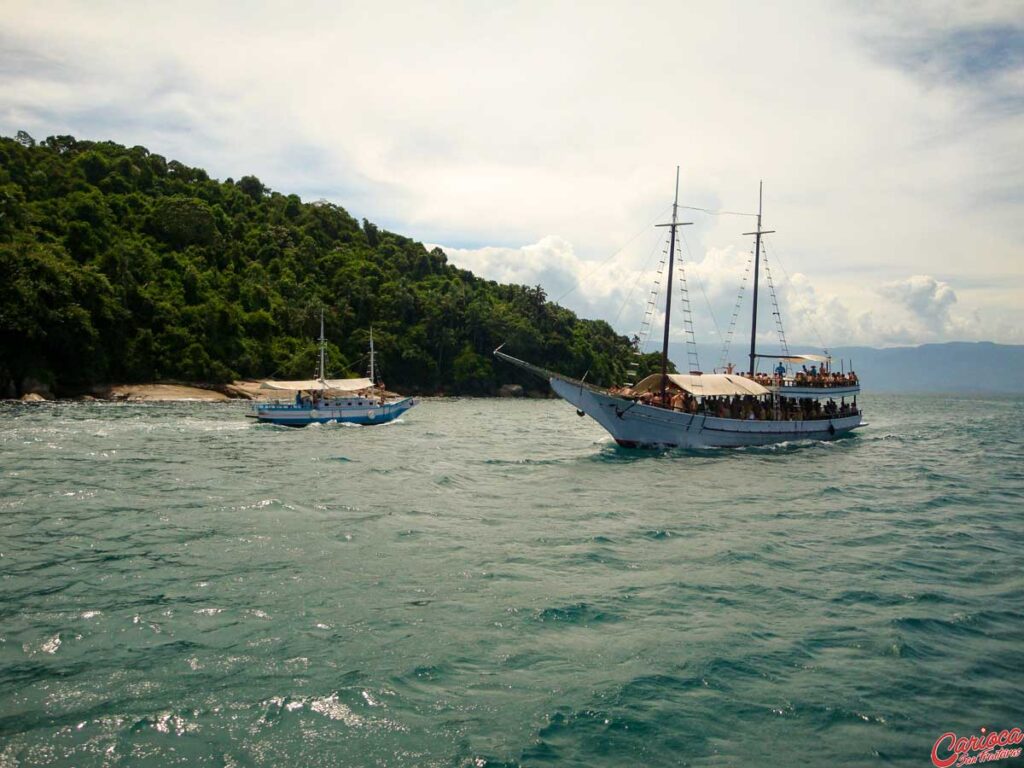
(953, 367)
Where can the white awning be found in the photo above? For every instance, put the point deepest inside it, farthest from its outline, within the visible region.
(806, 359)
(348, 385)
(313, 385)
(704, 385)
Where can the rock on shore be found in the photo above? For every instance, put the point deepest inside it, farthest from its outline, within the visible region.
(175, 392)
(157, 393)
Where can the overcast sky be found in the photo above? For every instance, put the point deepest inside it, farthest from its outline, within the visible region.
(537, 142)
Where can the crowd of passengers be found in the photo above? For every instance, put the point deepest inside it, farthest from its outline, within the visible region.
(751, 408)
(806, 378)
(320, 400)
(812, 378)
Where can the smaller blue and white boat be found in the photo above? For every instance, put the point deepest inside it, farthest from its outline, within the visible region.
(321, 400)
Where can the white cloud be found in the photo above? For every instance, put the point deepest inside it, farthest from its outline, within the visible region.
(889, 136)
(615, 290)
(924, 308)
(923, 296)
(918, 308)
(551, 262)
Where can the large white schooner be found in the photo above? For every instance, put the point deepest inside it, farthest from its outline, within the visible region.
(710, 410)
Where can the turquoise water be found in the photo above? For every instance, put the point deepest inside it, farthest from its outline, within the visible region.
(491, 582)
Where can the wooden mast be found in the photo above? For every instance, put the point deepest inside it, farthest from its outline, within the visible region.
(373, 373)
(757, 270)
(668, 289)
(323, 342)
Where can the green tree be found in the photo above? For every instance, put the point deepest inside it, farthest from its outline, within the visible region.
(121, 264)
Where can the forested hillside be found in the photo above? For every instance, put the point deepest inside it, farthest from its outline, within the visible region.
(119, 265)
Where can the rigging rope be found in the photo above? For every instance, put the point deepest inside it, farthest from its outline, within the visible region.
(776, 312)
(602, 263)
(641, 273)
(621, 248)
(692, 358)
(814, 326)
(700, 284)
(723, 359)
(641, 337)
(717, 213)
(652, 303)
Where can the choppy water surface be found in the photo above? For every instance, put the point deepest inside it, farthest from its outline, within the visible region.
(493, 583)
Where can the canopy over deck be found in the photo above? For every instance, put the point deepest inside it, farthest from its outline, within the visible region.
(316, 385)
(806, 358)
(704, 385)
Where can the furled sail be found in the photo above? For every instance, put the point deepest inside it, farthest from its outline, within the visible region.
(315, 385)
(806, 359)
(704, 385)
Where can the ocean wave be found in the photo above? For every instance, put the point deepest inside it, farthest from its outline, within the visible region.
(504, 585)
(575, 613)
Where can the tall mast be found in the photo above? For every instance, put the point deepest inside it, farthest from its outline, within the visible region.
(373, 378)
(757, 271)
(323, 344)
(668, 289)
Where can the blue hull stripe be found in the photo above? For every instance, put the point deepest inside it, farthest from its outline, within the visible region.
(280, 415)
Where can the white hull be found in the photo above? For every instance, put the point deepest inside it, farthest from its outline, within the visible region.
(361, 411)
(633, 424)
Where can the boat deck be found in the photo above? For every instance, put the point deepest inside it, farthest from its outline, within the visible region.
(795, 390)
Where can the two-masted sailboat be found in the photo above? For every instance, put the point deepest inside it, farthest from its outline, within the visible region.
(321, 400)
(706, 410)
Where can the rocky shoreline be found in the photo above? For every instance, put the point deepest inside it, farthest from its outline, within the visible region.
(160, 392)
(168, 392)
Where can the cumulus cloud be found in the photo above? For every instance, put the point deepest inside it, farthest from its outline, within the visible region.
(615, 290)
(490, 126)
(915, 309)
(921, 308)
(550, 262)
(923, 296)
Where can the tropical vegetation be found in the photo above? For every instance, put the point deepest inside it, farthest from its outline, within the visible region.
(121, 265)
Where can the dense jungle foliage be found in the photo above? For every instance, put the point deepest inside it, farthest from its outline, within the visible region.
(119, 265)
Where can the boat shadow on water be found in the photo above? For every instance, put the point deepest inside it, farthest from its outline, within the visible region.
(333, 424)
(612, 453)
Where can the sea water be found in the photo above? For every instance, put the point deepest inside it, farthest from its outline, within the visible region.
(494, 582)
